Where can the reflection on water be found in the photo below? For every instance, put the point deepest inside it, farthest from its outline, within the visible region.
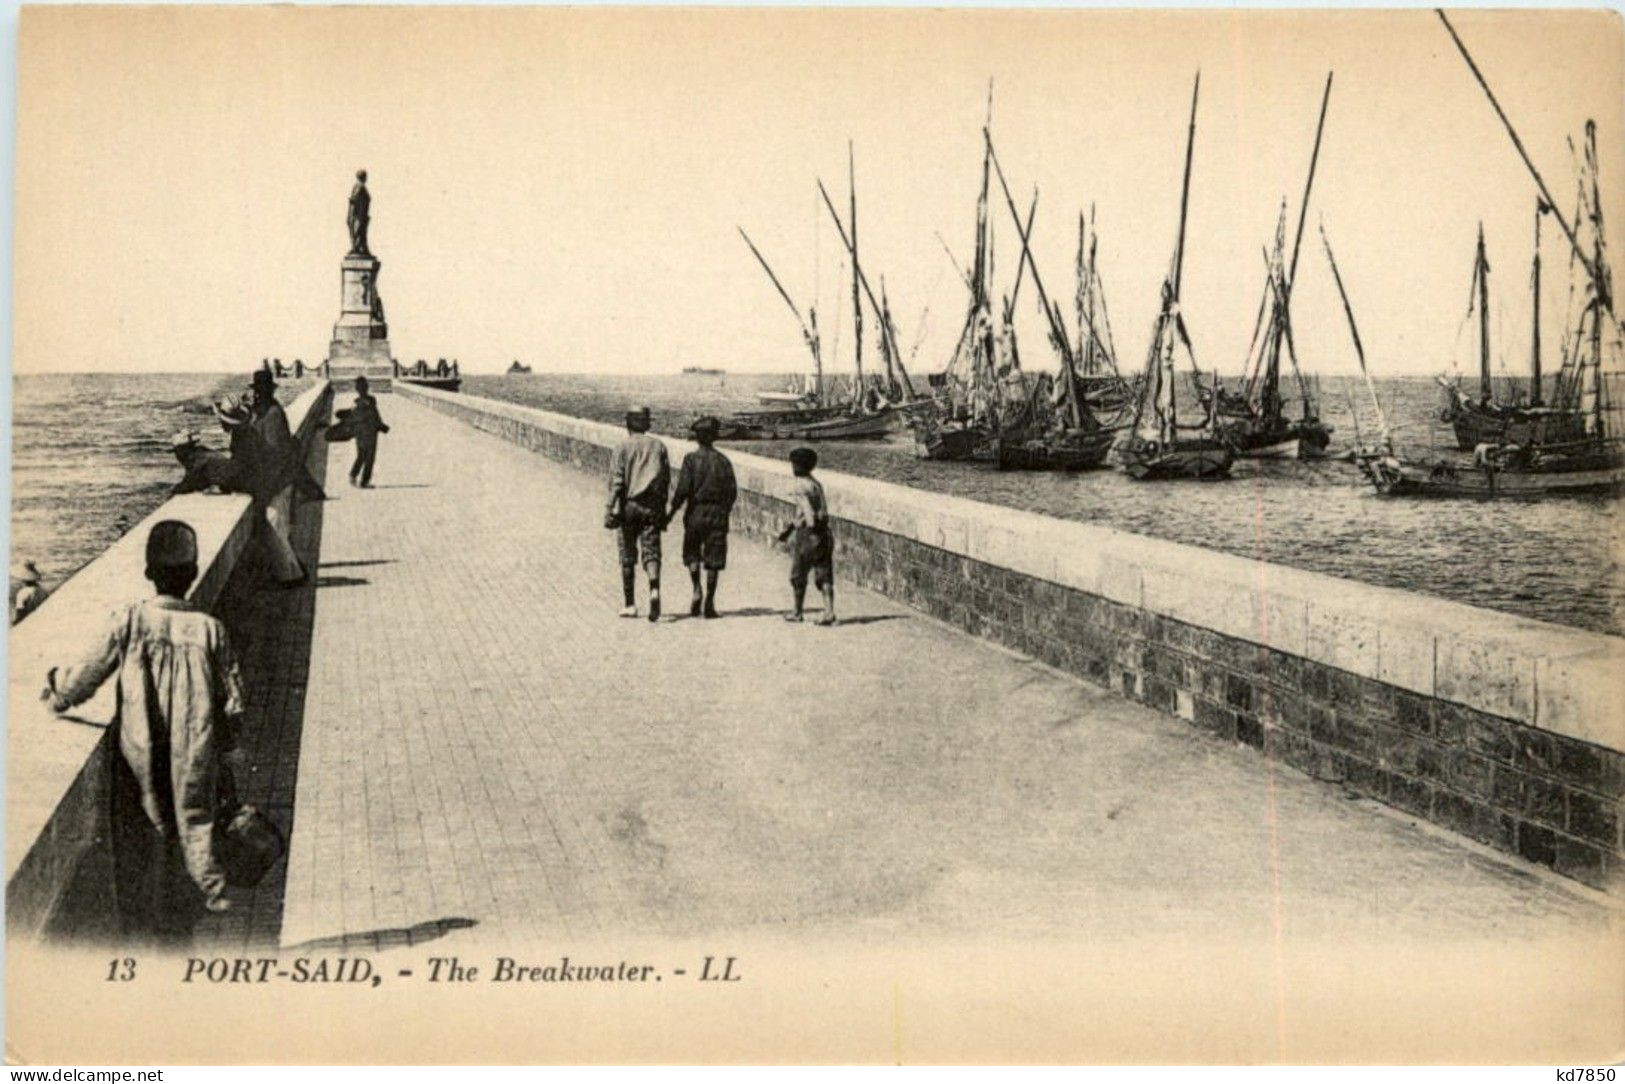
(1553, 560)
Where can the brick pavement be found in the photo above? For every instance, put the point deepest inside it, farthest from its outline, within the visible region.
(485, 751)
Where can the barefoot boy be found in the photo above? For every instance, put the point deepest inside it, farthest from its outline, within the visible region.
(812, 546)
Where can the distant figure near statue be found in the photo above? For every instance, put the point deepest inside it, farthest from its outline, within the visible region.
(360, 215)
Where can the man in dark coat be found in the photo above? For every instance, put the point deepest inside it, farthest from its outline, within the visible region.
(366, 423)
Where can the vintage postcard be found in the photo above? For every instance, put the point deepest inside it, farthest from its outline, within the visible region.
(857, 535)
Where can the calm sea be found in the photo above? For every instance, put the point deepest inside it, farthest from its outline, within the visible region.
(91, 456)
(1553, 560)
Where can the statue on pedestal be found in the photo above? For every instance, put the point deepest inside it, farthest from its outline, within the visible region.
(360, 215)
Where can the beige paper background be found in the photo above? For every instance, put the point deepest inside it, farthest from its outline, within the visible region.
(563, 186)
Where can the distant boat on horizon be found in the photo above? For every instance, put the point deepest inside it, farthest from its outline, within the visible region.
(518, 369)
(698, 370)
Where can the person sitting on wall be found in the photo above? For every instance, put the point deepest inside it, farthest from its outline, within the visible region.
(180, 702)
(206, 471)
(26, 590)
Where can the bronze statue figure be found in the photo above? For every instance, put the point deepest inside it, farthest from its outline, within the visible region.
(360, 204)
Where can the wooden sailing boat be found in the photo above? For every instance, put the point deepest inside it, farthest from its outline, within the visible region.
(1486, 420)
(1157, 446)
(1594, 461)
(1254, 420)
(1066, 436)
(867, 415)
(1099, 381)
(963, 417)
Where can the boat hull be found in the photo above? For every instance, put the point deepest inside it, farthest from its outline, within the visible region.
(1476, 424)
(1576, 475)
(843, 426)
(944, 443)
(1064, 452)
(1196, 457)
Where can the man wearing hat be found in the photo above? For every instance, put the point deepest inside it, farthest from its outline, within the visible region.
(275, 456)
(705, 483)
(206, 470)
(26, 590)
(180, 701)
(639, 477)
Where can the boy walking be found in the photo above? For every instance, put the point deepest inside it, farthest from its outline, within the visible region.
(812, 546)
(639, 478)
(180, 699)
(705, 483)
(367, 424)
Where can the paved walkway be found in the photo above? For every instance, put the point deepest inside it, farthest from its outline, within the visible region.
(486, 752)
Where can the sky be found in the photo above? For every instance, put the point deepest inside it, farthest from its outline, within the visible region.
(564, 186)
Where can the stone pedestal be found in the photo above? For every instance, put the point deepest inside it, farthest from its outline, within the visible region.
(360, 343)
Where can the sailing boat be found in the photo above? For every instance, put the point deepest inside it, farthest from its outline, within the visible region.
(1155, 446)
(1485, 420)
(867, 415)
(1594, 461)
(963, 419)
(1099, 381)
(1067, 437)
(1254, 420)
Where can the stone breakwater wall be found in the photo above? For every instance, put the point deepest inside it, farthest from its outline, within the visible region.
(59, 851)
(1505, 730)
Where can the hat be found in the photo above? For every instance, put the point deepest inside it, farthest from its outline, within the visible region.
(25, 572)
(171, 544)
(263, 377)
(638, 412)
(230, 412)
(186, 438)
(707, 424)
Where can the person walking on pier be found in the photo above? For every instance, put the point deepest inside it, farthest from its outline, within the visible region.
(639, 478)
(705, 483)
(812, 545)
(366, 423)
(180, 701)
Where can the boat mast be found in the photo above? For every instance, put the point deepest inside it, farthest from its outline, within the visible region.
(1534, 338)
(889, 348)
(1481, 271)
(857, 299)
(1359, 350)
(808, 334)
(1604, 301)
(1052, 312)
(1292, 271)
(1593, 262)
(1171, 304)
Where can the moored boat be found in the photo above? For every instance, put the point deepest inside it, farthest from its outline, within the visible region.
(1157, 447)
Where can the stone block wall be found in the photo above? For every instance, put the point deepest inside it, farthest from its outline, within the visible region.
(1504, 730)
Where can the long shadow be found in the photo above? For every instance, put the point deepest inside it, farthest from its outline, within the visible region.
(340, 581)
(870, 619)
(356, 564)
(271, 632)
(387, 938)
(403, 485)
